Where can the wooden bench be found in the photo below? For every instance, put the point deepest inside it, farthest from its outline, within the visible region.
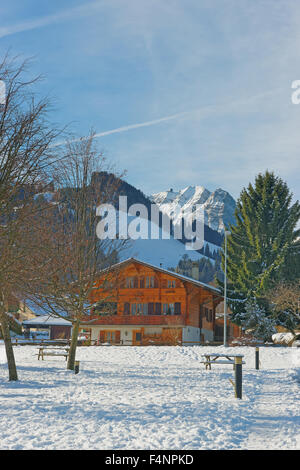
(213, 358)
(53, 351)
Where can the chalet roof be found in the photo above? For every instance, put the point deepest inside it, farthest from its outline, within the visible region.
(166, 271)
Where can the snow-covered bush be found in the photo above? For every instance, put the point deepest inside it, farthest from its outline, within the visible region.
(255, 320)
(283, 338)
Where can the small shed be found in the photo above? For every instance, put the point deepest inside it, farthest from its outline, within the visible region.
(59, 328)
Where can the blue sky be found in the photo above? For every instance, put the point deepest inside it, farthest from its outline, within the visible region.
(208, 83)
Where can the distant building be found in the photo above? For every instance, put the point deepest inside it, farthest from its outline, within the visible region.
(57, 328)
(19, 309)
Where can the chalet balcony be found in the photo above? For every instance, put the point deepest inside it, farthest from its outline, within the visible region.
(165, 320)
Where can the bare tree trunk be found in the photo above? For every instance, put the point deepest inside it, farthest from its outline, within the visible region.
(12, 369)
(73, 346)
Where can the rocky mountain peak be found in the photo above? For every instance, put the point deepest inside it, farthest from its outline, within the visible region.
(218, 205)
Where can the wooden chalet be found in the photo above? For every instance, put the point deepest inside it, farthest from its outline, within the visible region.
(136, 303)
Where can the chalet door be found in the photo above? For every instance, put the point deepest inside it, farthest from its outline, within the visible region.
(137, 337)
(111, 337)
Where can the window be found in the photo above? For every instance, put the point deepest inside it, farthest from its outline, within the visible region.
(150, 281)
(87, 332)
(168, 309)
(133, 309)
(165, 308)
(139, 309)
(171, 283)
(206, 313)
(132, 282)
(129, 282)
(105, 308)
(171, 309)
(177, 308)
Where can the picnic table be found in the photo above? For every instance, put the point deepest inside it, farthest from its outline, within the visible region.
(53, 351)
(214, 358)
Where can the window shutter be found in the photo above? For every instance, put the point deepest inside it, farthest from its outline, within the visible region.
(177, 308)
(133, 309)
(118, 336)
(127, 308)
(102, 336)
(151, 308)
(157, 308)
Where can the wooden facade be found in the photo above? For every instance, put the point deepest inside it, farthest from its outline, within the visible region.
(138, 303)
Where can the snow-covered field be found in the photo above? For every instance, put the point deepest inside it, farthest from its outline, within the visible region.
(150, 398)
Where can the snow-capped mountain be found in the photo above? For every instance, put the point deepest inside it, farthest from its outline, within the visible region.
(218, 205)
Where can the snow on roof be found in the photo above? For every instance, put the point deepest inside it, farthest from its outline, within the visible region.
(47, 320)
(167, 271)
(36, 309)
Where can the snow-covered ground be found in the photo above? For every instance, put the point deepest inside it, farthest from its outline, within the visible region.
(150, 398)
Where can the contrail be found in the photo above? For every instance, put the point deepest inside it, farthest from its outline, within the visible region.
(204, 111)
(129, 127)
(47, 20)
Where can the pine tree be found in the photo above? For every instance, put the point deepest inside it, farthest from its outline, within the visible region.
(264, 242)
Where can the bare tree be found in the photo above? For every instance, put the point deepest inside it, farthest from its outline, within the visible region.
(285, 301)
(25, 153)
(75, 256)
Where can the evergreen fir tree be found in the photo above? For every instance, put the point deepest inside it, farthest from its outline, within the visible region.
(264, 243)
